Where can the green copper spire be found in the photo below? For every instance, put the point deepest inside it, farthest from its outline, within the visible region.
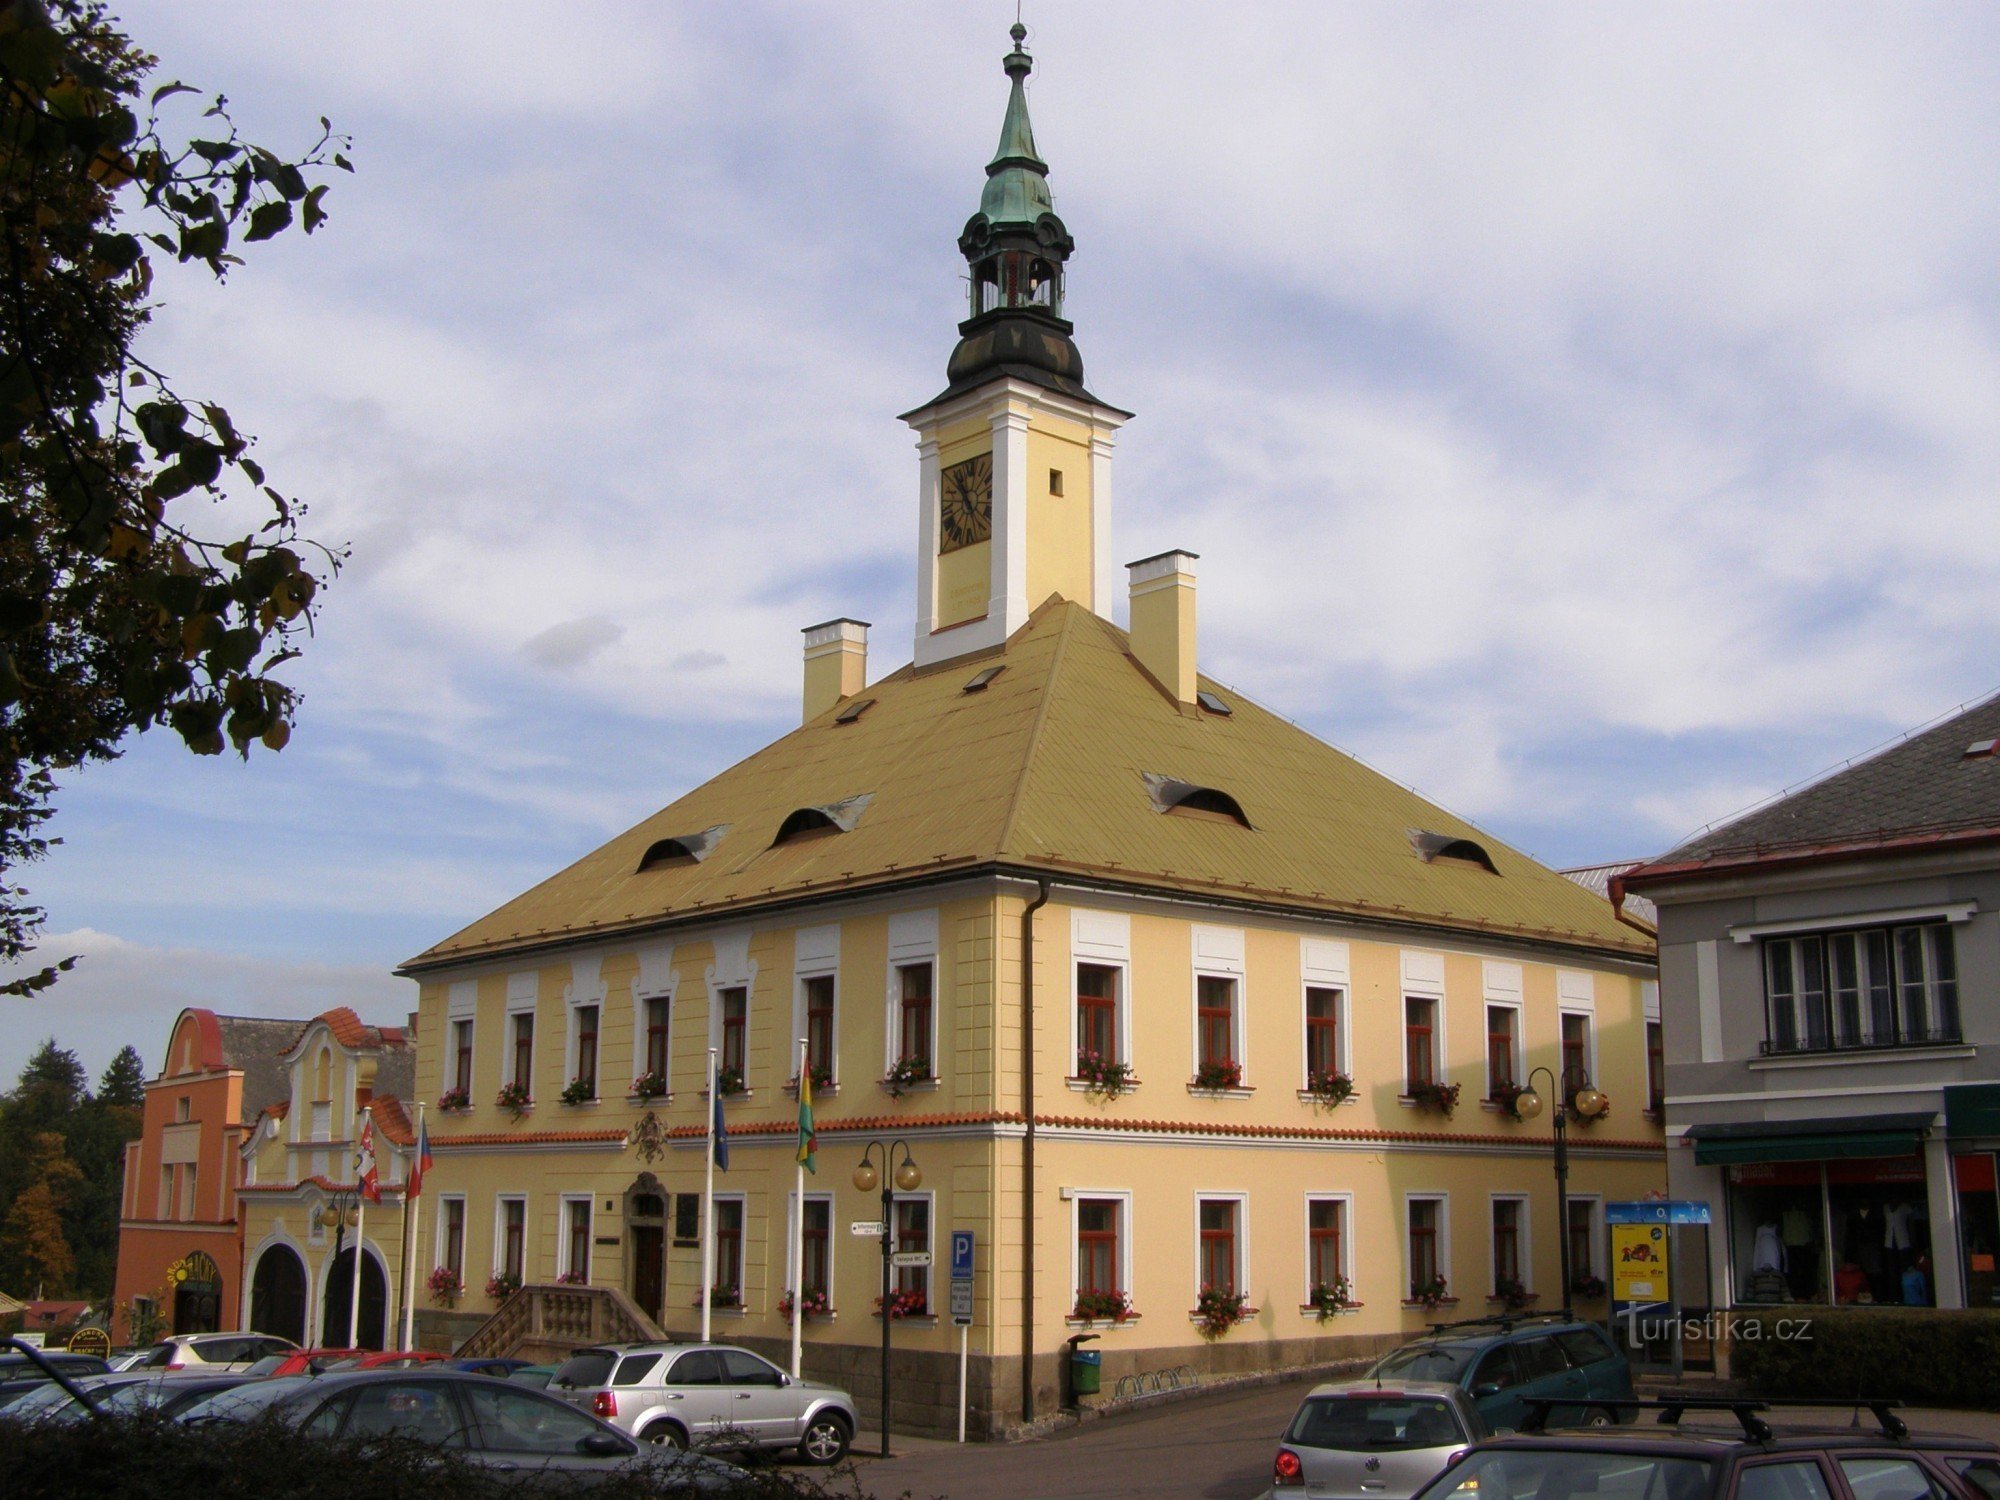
(1017, 180)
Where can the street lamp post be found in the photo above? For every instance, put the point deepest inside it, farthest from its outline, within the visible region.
(1589, 1104)
(339, 1212)
(893, 1176)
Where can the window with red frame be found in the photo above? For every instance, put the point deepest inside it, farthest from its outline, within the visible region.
(913, 1233)
(1500, 1048)
(1506, 1241)
(524, 1050)
(1326, 1241)
(656, 1037)
(586, 1046)
(1218, 1243)
(1215, 1019)
(816, 1237)
(453, 1211)
(1576, 1051)
(729, 1247)
(1323, 1031)
(461, 1048)
(819, 1023)
(1656, 1069)
(1097, 1010)
(1419, 1042)
(735, 1019)
(1582, 1259)
(1423, 1243)
(578, 1213)
(1097, 1246)
(513, 1236)
(913, 983)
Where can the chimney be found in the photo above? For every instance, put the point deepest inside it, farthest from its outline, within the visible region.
(836, 664)
(1163, 620)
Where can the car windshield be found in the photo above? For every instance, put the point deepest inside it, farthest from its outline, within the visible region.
(245, 1403)
(1444, 1362)
(1559, 1474)
(585, 1367)
(268, 1365)
(1382, 1423)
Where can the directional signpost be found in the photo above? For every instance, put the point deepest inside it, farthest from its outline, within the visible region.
(866, 1229)
(961, 1309)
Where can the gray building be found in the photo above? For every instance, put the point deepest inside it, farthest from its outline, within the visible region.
(1830, 1000)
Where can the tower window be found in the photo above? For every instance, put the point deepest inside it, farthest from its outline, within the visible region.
(1055, 483)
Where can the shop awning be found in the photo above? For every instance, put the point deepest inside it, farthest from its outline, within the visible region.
(1809, 1140)
(1972, 1109)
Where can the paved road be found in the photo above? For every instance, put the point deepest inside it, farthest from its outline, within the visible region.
(1216, 1448)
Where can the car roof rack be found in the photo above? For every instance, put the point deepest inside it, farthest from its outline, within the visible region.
(1747, 1411)
(1502, 1321)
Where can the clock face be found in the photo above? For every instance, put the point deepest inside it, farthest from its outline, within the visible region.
(965, 503)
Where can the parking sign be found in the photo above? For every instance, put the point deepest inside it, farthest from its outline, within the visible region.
(961, 1255)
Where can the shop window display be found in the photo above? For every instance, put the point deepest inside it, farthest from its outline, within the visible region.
(1875, 1210)
(1979, 1227)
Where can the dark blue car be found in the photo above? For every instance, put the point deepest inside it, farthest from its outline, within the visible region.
(1502, 1362)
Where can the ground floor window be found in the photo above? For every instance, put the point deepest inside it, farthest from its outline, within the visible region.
(816, 1239)
(576, 1240)
(913, 1234)
(1978, 1227)
(1583, 1268)
(451, 1232)
(726, 1289)
(1426, 1250)
(1326, 1250)
(1507, 1259)
(1840, 1231)
(513, 1238)
(1221, 1224)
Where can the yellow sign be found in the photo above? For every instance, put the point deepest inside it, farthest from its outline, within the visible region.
(1639, 1263)
(90, 1341)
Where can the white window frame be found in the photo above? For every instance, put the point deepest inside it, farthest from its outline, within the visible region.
(656, 981)
(815, 955)
(1103, 938)
(732, 969)
(462, 1008)
(500, 1202)
(1423, 979)
(1123, 1198)
(438, 1235)
(1524, 1245)
(1241, 1270)
(564, 1205)
(1218, 954)
(1323, 965)
(1486, 1048)
(586, 988)
(913, 939)
(929, 1200)
(792, 1241)
(1443, 1201)
(1346, 1200)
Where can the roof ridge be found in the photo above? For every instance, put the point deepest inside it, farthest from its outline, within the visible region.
(1034, 741)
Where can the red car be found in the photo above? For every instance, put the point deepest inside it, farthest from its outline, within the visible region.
(321, 1361)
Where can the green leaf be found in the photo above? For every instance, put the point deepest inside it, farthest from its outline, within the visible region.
(168, 90)
(314, 214)
(267, 219)
(215, 152)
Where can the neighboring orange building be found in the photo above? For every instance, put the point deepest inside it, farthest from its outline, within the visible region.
(180, 1237)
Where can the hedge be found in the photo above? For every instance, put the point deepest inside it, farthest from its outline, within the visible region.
(145, 1458)
(1925, 1358)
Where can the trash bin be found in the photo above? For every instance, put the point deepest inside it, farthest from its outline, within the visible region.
(1086, 1371)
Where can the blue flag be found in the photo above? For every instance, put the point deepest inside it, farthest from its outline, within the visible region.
(719, 1135)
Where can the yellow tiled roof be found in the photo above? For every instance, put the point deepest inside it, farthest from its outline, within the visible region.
(1045, 770)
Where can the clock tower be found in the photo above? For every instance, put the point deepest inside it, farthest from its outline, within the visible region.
(1015, 454)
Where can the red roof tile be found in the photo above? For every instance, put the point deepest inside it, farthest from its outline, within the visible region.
(527, 1138)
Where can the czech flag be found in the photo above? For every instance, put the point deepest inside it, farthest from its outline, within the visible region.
(423, 1161)
(364, 1160)
(808, 1139)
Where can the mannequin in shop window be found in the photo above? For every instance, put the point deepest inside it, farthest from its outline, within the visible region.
(1802, 1262)
(1767, 1266)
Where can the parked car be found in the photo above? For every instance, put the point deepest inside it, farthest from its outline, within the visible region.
(537, 1376)
(1749, 1459)
(47, 1399)
(20, 1374)
(1504, 1362)
(495, 1424)
(215, 1352)
(1366, 1440)
(502, 1367)
(707, 1395)
(320, 1361)
(126, 1392)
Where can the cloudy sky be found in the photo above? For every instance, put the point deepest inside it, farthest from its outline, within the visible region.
(1587, 414)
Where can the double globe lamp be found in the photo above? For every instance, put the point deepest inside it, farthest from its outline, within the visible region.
(906, 1177)
(1589, 1103)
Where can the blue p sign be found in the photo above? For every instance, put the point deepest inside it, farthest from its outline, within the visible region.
(961, 1255)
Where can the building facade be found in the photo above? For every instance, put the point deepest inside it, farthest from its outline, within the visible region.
(180, 1242)
(1829, 971)
(1208, 1033)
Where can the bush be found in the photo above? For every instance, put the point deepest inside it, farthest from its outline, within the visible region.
(145, 1458)
(1927, 1358)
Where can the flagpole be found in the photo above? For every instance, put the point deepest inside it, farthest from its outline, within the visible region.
(413, 1205)
(360, 1238)
(708, 1205)
(799, 1222)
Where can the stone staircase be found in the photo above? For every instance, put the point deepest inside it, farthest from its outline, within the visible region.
(544, 1322)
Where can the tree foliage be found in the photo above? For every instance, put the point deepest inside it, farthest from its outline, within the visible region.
(125, 601)
(62, 1161)
(124, 1080)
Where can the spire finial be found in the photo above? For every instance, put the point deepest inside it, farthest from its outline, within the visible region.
(1017, 63)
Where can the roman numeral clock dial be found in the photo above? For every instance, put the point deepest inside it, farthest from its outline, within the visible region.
(965, 503)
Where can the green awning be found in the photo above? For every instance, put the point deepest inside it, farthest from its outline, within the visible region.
(1972, 1109)
(1808, 1140)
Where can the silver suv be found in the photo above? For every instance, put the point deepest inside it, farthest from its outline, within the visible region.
(210, 1353)
(707, 1395)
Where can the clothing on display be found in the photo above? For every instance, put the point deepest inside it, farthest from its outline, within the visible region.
(1768, 1254)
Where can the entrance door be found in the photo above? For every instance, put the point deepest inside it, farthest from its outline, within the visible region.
(649, 1254)
(278, 1295)
(339, 1288)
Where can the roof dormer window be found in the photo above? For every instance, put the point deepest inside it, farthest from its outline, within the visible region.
(822, 821)
(682, 849)
(1432, 847)
(1185, 799)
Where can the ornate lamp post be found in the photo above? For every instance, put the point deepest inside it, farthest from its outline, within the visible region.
(893, 1176)
(339, 1213)
(1589, 1104)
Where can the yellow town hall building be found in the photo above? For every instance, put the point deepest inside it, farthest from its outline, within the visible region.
(1177, 1008)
